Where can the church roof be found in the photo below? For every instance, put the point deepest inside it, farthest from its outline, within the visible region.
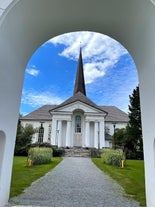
(114, 114)
(79, 82)
(79, 97)
(40, 114)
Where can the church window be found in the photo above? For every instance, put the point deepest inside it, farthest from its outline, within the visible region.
(78, 124)
(41, 134)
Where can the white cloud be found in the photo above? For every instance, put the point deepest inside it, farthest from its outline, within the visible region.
(99, 52)
(37, 99)
(93, 71)
(32, 71)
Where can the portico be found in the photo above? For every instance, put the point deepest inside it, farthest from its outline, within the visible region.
(65, 132)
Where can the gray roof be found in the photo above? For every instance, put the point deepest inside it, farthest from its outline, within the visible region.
(40, 114)
(114, 114)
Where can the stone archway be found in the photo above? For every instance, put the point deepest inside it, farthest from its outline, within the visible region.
(24, 25)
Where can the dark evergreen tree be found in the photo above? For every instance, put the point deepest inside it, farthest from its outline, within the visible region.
(130, 138)
(135, 143)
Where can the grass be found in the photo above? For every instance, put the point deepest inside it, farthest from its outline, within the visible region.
(22, 176)
(131, 178)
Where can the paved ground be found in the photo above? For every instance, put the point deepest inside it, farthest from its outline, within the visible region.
(75, 182)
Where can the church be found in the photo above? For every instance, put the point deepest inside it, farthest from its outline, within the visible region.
(78, 121)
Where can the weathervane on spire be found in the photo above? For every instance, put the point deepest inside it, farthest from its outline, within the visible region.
(80, 45)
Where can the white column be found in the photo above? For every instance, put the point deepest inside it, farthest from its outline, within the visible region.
(87, 134)
(59, 133)
(102, 134)
(68, 134)
(53, 134)
(96, 134)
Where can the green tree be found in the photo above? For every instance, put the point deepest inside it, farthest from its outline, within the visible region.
(120, 138)
(135, 127)
(130, 138)
(23, 138)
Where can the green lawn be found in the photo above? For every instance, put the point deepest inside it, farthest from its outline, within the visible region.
(130, 178)
(22, 176)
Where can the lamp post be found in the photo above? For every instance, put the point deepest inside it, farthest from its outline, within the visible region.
(98, 140)
(114, 144)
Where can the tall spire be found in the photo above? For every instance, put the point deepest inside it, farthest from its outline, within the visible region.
(79, 82)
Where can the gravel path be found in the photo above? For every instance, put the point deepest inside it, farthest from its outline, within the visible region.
(75, 182)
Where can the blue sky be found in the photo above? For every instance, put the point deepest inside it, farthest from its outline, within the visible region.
(110, 72)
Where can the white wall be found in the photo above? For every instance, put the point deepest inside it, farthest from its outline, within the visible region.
(36, 125)
(118, 125)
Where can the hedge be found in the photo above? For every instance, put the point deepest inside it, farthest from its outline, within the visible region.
(39, 155)
(112, 157)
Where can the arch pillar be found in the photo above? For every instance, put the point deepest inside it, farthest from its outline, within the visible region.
(2, 148)
(11, 83)
(147, 98)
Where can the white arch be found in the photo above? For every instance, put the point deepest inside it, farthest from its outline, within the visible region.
(26, 24)
(2, 147)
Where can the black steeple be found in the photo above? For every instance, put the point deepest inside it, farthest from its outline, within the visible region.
(79, 82)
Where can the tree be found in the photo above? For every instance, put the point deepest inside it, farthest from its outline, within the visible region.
(23, 138)
(130, 138)
(120, 138)
(135, 127)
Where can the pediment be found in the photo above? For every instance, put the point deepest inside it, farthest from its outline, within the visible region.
(79, 106)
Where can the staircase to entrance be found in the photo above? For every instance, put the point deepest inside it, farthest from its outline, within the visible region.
(77, 152)
(81, 152)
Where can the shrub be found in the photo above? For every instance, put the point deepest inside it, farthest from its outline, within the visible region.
(58, 152)
(95, 153)
(43, 144)
(23, 139)
(40, 155)
(112, 157)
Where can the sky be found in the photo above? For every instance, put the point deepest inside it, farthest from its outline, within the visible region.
(109, 70)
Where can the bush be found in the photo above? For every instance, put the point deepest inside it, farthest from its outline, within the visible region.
(132, 155)
(58, 152)
(43, 144)
(40, 155)
(23, 139)
(112, 157)
(95, 153)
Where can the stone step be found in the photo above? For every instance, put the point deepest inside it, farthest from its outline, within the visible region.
(77, 152)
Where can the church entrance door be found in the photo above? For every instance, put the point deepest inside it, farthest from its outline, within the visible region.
(78, 139)
(78, 132)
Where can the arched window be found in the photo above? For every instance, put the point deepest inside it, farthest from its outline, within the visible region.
(78, 124)
(41, 134)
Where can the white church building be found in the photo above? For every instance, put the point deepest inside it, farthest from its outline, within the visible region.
(77, 122)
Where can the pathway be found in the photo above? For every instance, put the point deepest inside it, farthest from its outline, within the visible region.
(75, 182)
